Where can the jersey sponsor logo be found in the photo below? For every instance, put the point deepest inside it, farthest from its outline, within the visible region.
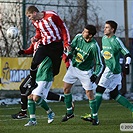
(107, 55)
(79, 58)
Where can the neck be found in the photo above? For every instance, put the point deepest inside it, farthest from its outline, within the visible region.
(110, 35)
(40, 15)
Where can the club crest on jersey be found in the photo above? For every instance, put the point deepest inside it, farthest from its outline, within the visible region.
(79, 58)
(107, 55)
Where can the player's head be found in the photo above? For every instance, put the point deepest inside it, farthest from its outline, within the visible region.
(110, 27)
(89, 31)
(31, 12)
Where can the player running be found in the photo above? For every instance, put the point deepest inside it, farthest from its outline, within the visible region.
(112, 47)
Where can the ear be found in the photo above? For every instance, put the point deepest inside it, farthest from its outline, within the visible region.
(90, 36)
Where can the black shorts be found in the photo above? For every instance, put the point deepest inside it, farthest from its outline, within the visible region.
(54, 51)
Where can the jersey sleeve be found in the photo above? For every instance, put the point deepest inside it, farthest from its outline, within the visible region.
(64, 31)
(30, 50)
(123, 49)
(98, 60)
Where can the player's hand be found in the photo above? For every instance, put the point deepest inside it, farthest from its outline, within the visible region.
(127, 69)
(67, 49)
(21, 52)
(93, 78)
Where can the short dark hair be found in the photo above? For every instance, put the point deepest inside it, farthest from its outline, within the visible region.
(113, 24)
(31, 9)
(92, 29)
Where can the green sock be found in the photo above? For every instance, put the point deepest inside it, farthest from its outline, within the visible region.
(124, 102)
(93, 107)
(99, 100)
(43, 104)
(31, 109)
(68, 102)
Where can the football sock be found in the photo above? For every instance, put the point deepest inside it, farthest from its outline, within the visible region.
(42, 103)
(31, 109)
(68, 102)
(93, 107)
(124, 102)
(24, 104)
(99, 100)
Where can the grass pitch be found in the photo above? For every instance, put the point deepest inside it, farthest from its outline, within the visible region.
(111, 115)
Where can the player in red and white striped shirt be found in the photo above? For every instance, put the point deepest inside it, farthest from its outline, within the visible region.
(53, 34)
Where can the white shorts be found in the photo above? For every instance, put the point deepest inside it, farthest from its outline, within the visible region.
(42, 89)
(73, 74)
(109, 80)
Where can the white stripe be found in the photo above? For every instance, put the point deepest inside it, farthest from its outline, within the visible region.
(55, 28)
(33, 116)
(69, 108)
(122, 45)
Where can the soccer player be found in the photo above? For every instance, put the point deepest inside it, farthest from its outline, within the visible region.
(44, 80)
(112, 47)
(24, 86)
(53, 33)
(86, 66)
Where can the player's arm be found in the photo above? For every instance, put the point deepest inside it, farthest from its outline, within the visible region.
(63, 29)
(98, 63)
(127, 56)
(28, 51)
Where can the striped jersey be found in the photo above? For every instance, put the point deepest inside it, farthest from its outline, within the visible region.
(51, 29)
(111, 50)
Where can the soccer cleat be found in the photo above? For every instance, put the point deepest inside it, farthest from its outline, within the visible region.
(88, 117)
(67, 117)
(31, 123)
(95, 122)
(19, 115)
(51, 117)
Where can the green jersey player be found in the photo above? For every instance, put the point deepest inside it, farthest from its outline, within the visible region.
(86, 66)
(112, 47)
(44, 79)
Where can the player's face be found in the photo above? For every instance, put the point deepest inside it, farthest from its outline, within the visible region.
(108, 30)
(85, 34)
(31, 16)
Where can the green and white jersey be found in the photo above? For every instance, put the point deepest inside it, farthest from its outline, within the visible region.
(111, 50)
(86, 55)
(45, 72)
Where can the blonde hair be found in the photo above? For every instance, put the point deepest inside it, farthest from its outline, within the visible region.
(31, 9)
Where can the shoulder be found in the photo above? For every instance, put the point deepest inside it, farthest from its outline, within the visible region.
(50, 12)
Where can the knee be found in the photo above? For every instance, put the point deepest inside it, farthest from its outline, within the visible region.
(90, 94)
(35, 98)
(30, 96)
(34, 65)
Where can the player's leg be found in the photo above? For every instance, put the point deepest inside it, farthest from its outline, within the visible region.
(23, 88)
(55, 53)
(93, 107)
(121, 99)
(54, 96)
(39, 94)
(39, 56)
(69, 79)
(68, 102)
(31, 109)
(99, 92)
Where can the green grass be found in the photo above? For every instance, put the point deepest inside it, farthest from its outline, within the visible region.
(111, 115)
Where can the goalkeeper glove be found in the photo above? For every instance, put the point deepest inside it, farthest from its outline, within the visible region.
(93, 78)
